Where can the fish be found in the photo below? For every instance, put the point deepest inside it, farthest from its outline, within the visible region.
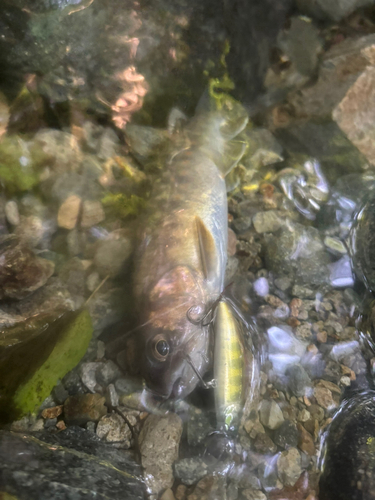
(229, 367)
(181, 257)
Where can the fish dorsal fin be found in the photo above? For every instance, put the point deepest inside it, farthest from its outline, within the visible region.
(207, 250)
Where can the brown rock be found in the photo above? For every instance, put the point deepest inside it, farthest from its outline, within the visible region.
(355, 114)
(92, 213)
(79, 410)
(68, 213)
(323, 397)
(61, 425)
(296, 492)
(305, 441)
(53, 412)
(295, 307)
(167, 495)
(158, 443)
(180, 493)
(345, 93)
(322, 337)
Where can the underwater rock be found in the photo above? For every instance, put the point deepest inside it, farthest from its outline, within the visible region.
(262, 149)
(333, 10)
(68, 213)
(299, 253)
(11, 212)
(347, 458)
(73, 464)
(270, 414)
(190, 470)
(361, 243)
(286, 436)
(92, 213)
(113, 253)
(158, 442)
(289, 466)
(344, 93)
(114, 429)
(21, 271)
(78, 410)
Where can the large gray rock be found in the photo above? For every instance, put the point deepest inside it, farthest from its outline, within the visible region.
(69, 465)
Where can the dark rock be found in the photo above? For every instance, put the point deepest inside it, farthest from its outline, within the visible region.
(198, 426)
(298, 380)
(349, 466)
(332, 10)
(286, 436)
(263, 444)
(21, 271)
(73, 464)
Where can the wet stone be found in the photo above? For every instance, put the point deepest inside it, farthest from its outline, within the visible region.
(72, 464)
(305, 441)
(253, 494)
(21, 271)
(112, 255)
(79, 410)
(126, 386)
(92, 213)
(298, 381)
(67, 216)
(88, 375)
(263, 444)
(190, 470)
(289, 466)
(267, 222)
(324, 398)
(111, 396)
(286, 436)
(271, 415)
(113, 429)
(158, 442)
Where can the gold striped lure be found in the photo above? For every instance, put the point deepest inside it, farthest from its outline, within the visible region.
(229, 367)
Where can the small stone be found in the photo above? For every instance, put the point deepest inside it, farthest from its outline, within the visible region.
(289, 466)
(112, 398)
(263, 444)
(100, 350)
(345, 381)
(114, 429)
(68, 213)
(158, 443)
(61, 425)
(321, 336)
(298, 381)
(241, 224)
(79, 410)
(180, 492)
(335, 245)
(305, 441)
(261, 287)
(271, 415)
(50, 422)
(107, 372)
(88, 375)
(253, 494)
(167, 495)
(38, 426)
(286, 436)
(92, 213)
(52, 412)
(303, 416)
(267, 222)
(317, 412)
(256, 429)
(190, 470)
(59, 393)
(12, 214)
(283, 283)
(324, 398)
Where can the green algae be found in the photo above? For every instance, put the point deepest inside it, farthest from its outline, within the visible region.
(121, 206)
(65, 355)
(6, 496)
(17, 172)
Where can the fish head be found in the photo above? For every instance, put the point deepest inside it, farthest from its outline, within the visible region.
(168, 356)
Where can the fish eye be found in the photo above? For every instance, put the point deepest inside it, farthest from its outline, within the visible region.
(161, 349)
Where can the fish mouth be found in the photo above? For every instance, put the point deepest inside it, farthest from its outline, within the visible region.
(156, 402)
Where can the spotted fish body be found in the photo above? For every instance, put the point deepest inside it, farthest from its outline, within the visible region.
(229, 367)
(181, 258)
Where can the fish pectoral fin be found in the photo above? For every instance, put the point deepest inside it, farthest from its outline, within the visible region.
(229, 156)
(206, 249)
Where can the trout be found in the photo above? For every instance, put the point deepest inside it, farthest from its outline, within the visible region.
(181, 258)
